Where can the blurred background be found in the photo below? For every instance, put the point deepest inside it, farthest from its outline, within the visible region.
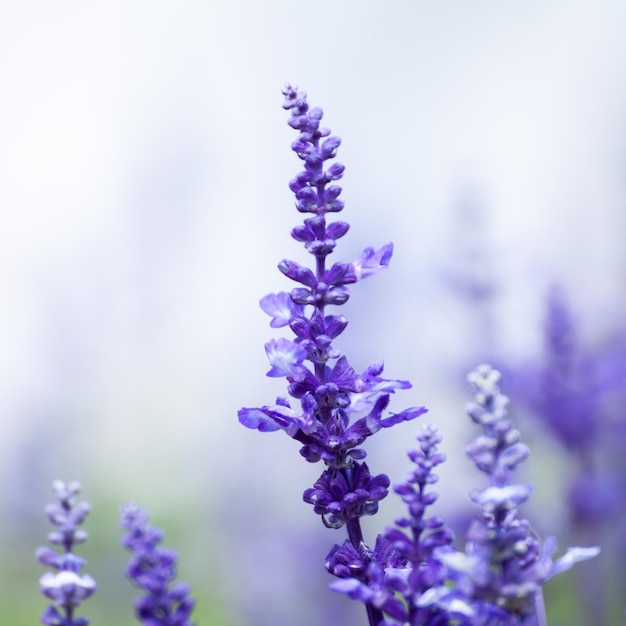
(144, 162)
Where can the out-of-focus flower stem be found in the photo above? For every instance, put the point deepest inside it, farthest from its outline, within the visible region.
(374, 615)
(355, 534)
(540, 609)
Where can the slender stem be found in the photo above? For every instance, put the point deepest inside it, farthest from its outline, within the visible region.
(374, 615)
(355, 534)
(540, 609)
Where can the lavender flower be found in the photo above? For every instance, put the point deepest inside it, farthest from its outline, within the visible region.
(576, 391)
(505, 563)
(339, 408)
(67, 588)
(570, 385)
(399, 574)
(416, 577)
(153, 569)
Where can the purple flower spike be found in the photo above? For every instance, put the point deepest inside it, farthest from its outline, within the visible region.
(333, 397)
(339, 407)
(153, 569)
(505, 563)
(67, 588)
(498, 451)
(404, 567)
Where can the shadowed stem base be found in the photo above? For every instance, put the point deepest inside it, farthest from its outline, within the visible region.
(355, 534)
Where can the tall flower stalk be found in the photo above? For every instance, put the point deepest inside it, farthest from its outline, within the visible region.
(338, 407)
(405, 567)
(505, 564)
(152, 568)
(66, 587)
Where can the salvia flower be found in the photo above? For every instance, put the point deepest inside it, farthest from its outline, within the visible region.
(505, 563)
(339, 408)
(398, 576)
(418, 536)
(66, 587)
(403, 568)
(416, 577)
(153, 569)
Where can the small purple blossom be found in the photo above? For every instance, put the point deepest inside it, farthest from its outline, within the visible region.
(153, 569)
(281, 308)
(340, 496)
(286, 358)
(373, 261)
(67, 587)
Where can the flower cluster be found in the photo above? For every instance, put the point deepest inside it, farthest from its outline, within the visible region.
(413, 575)
(399, 574)
(153, 569)
(418, 577)
(67, 588)
(339, 408)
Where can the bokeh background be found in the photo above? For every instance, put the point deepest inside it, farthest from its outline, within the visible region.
(144, 161)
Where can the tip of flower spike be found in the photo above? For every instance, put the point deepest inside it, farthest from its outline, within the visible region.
(292, 95)
(66, 491)
(484, 378)
(131, 514)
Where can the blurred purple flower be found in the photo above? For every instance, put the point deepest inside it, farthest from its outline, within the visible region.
(505, 563)
(372, 261)
(67, 588)
(153, 569)
(577, 391)
(572, 387)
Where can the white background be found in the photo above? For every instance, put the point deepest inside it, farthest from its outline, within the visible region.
(144, 161)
